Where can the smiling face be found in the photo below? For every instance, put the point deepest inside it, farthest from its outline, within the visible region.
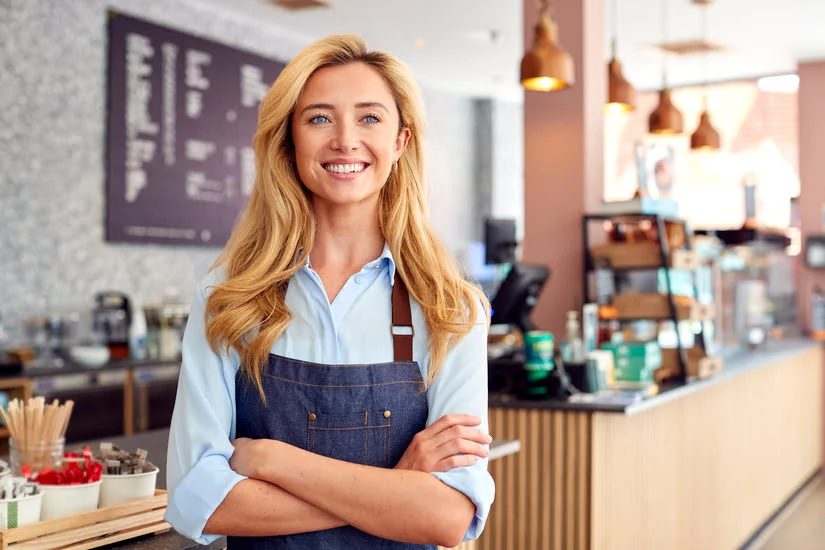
(345, 130)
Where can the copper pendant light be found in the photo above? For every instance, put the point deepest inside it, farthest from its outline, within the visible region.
(547, 67)
(705, 138)
(666, 118)
(621, 96)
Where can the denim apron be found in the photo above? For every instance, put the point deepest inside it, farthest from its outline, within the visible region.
(366, 414)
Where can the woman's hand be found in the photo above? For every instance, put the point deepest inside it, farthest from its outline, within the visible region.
(249, 456)
(450, 442)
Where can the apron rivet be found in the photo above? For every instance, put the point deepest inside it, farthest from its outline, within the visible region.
(387, 414)
(312, 417)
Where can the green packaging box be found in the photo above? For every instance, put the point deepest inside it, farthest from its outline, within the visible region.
(635, 355)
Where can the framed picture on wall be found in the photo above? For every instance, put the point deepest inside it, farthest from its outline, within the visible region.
(660, 173)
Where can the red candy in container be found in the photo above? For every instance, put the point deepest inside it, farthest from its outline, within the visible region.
(72, 473)
(73, 489)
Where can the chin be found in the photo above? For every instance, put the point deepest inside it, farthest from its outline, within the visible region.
(348, 198)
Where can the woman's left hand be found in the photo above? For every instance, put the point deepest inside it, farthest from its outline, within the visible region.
(248, 456)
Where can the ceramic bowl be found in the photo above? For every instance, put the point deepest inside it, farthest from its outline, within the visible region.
(89, 356)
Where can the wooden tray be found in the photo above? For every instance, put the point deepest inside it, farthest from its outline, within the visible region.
(92, 529)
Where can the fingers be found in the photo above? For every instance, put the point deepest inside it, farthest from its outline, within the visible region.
(455, 461)
(449, 420)
(462, 432)
(463, 446)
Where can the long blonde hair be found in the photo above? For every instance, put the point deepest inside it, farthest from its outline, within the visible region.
(276, 232)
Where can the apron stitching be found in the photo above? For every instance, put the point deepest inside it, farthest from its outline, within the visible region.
(344, 386)
(384, 364)
(355, 428)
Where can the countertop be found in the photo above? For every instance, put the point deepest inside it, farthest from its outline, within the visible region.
(736, 365)
(70, 368)
(155, 442)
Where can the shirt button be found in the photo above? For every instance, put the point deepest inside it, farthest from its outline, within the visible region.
(376, 266)
(312, 417)
(358, 280)
(387, 414)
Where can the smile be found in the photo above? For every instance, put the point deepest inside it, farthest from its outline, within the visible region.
(345, 168)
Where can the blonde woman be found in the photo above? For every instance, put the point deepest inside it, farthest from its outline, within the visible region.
(333, 391)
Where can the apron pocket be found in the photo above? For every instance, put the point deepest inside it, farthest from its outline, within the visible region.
(358, 437)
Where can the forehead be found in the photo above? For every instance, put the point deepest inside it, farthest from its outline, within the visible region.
(346, 85)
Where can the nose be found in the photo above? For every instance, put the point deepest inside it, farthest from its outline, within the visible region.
(345, 138)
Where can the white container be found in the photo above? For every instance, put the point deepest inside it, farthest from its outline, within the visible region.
(116, 489)
(5, 472)
(92, 357)
(66, 500)
(20, 511)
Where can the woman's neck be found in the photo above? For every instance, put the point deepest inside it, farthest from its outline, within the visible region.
(345, 239)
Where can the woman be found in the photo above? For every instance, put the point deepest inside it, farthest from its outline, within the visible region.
(318, 405)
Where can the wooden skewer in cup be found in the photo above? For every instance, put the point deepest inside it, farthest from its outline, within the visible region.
(37, 429)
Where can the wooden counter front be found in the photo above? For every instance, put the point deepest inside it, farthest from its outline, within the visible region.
(702, 470)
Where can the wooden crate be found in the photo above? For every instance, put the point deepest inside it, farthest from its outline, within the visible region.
(638, 305)
(699, 365)
(643, 255)
(92, 529)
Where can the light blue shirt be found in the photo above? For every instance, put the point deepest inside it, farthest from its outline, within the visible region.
(354, 329)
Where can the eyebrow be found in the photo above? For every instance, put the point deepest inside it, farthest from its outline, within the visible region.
(362, 105)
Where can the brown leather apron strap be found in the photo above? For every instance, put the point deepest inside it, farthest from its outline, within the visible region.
(402, 327)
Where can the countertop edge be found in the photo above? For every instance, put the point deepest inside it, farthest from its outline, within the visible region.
(734, 366)
(500, 449)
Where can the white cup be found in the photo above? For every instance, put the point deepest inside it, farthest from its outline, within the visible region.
(67, 500)
(116, 489)
(17, 512)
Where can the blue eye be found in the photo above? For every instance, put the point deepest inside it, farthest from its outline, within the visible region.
(371, 119)
(318, 119)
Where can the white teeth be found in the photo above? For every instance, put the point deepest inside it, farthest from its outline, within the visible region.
(345, 168)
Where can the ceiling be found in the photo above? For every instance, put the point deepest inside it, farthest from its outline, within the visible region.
(475, 46)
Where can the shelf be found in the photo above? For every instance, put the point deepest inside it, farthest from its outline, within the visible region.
(699, 364)
(633, 216)
(637, 306)
(638, 256)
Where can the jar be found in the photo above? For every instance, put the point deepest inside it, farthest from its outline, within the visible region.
(38, 454)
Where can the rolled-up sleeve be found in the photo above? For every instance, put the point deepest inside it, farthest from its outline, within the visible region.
(461, 387)
(198, 475)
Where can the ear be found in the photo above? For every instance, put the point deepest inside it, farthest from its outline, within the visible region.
(401, 142)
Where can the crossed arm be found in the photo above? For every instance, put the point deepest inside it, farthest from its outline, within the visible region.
(306, 492)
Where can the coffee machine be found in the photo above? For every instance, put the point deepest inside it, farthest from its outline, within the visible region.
(112, 318)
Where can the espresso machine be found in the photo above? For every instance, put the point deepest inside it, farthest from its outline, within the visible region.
(112, 318)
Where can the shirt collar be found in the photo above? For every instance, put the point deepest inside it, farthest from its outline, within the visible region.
(386, 254)
(389, 259)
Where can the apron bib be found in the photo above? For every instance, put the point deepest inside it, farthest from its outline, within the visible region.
(365, 414)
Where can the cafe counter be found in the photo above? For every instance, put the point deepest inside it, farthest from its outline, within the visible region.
(155, 442)
(704, 465)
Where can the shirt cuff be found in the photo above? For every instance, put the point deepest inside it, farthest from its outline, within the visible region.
(477, 484)
(197, 497)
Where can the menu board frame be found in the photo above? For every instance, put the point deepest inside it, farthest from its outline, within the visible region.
(180, 116)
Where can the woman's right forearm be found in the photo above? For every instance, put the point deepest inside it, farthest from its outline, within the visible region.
(259, 509)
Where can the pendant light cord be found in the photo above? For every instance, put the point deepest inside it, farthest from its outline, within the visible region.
(704, 9)
(615, 15)
(544, 6)
(664, 39)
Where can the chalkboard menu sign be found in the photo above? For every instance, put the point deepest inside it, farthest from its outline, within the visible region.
(182, 111)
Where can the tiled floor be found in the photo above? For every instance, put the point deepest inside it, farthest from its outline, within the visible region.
(804, 529)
